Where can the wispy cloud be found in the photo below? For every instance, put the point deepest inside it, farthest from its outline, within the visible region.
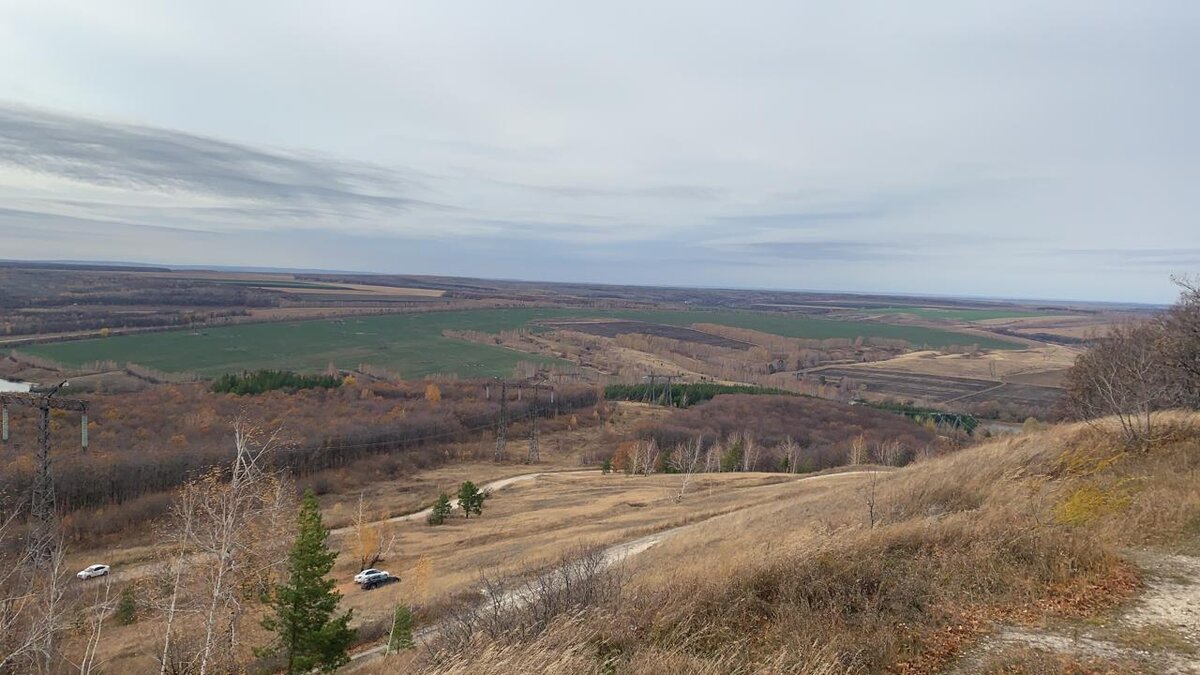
(1181, 257)
(138, 158)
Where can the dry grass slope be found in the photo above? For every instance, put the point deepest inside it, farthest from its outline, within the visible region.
(1019, 532)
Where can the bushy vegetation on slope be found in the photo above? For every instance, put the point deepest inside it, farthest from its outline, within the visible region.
(823, 430)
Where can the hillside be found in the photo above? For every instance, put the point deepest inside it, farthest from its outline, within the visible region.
(1054, 551)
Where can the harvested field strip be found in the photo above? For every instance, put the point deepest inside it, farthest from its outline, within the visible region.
(1020, 393)
(941, 388)
(928, 387)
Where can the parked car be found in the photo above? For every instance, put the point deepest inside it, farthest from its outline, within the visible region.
(361, 576)
(93, 571)
(379, 578)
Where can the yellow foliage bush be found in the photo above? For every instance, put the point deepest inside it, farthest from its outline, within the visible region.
(1090, 502)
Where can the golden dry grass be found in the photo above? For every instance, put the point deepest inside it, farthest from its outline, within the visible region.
(801, 583)
(763, 573)
(524, 527)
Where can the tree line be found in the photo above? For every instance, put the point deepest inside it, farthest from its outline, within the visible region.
(145, 444)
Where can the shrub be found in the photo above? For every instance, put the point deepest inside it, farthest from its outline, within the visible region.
(127, 611)
(440, 511)
(261, 381)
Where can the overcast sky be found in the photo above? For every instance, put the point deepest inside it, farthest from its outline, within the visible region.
(1005, 148)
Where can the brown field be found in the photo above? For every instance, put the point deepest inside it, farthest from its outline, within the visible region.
(940, 389)
(1019, 394)
(1072, 328)
(996, 365)
(1044, 366)
(934, 388)
(360, 290)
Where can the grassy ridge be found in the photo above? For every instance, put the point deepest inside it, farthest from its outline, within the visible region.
(413, 344)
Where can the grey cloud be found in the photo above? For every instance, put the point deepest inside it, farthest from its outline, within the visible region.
(141, 157)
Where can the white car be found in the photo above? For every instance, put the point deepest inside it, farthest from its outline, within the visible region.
(362, 576)
(377, 578)
(93, 571)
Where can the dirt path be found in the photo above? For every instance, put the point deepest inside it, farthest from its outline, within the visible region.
(617, 553)
(454, 503)
(1158, 633)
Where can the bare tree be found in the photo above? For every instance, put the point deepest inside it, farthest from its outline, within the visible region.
(31, 604)
(749, 452)
(791, 450)
(858, 450)
(650, 457)
(890, 453)
(1181, 325)
(687, 458)
(176, 540)
(1123, 375)
(869, 494)
(94, 616)
(369, 545)
(228, 536)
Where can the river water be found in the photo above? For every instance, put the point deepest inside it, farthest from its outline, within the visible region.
(10, 386)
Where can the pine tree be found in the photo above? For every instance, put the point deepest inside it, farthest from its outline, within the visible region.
(441, 510)
(470, 499)
(303, 618)
(127, 610)
(402, 634)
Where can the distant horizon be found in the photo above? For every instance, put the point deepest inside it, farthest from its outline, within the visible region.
(250, 269)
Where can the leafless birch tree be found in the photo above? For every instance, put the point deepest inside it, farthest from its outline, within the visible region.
(228, 540)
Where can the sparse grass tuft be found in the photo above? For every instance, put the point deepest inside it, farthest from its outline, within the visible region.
(1156, 637)
(1033, 661)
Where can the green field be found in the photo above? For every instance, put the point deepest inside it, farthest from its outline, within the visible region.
(955, 314)
(413, 345)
